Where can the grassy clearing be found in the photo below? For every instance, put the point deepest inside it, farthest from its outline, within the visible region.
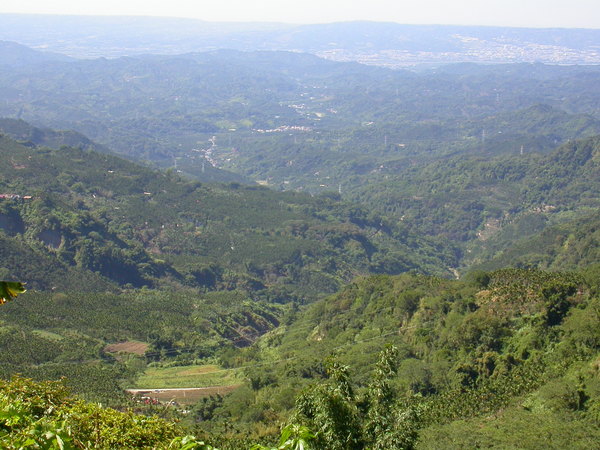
(48, 335)
(186, 376)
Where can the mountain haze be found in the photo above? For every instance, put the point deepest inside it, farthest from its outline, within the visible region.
(338, 236)
(387, 44)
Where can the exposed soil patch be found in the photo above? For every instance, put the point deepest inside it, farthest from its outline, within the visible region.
(135, 347)
(185, 396)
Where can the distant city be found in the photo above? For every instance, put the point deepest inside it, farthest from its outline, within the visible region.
(382, 44)
(479, 51)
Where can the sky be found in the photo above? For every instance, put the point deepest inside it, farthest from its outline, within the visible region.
(518, 13)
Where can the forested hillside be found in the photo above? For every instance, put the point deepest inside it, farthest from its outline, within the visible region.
(467, 363)
(344, 256)
(486, 203)
(468, 138)
(138, 227)
(237, 110)
(573, 244)
(27, 134)
(218, 265)
(473, 363)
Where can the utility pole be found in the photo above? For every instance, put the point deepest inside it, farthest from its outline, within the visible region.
(483, 140)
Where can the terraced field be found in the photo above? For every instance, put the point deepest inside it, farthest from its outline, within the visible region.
(185, 384)
(186, 377)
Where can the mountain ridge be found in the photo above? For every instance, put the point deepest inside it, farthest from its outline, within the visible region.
(136, 226)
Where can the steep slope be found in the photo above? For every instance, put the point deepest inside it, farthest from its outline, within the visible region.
(27, 134)
(512, 345)
(141, 227)
(21, 261)
(490, 202)
(568, 246)
(20, 130)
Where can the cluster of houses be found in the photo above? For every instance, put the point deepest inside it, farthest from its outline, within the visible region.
(15, 197)
(283, 128)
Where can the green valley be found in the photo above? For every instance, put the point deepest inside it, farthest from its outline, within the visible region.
(227, 249)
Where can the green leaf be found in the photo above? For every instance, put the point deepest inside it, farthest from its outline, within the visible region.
(9, 290)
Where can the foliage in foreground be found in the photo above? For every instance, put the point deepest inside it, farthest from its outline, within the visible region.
(44, 415)
(511, 345)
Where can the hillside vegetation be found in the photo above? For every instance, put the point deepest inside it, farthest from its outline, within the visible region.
(471, 363)
(129, 225)
(238, 109)
(450, 152)
(565, 246)
(508, 348)
(424, 276)
(218, 265)
(485, 204)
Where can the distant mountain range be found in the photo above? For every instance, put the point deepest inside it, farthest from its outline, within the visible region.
(293, 120)
(387, 44)
(16, 55)
(452, 152)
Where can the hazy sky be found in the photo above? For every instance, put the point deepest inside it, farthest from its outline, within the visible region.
(530, 13)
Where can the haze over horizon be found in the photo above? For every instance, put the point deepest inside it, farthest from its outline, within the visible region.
(508, 13)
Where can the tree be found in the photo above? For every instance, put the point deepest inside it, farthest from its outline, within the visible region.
(381, 397)
(330, 409)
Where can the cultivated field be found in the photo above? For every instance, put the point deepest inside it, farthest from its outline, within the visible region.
(135, 347)
(182, 395)
(185, 384)
(186, 377)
